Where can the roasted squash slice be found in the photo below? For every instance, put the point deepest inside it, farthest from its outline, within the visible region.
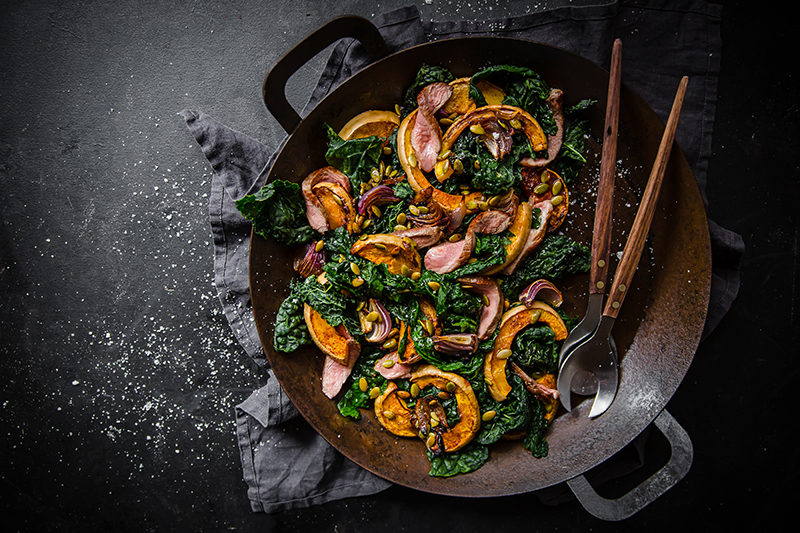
(519, 228)
(330, 340)
(467, 427)
(410, 355)
(460, 102)
(551, 405)
(547, 185)
(416, 178)
(393, 413)
(514, 321)
(368, 123)
(337, 205)
(399, 254)
(527, 123)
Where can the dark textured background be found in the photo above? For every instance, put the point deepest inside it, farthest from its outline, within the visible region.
(120, 372)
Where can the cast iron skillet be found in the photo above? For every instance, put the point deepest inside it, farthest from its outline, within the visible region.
(657, 332)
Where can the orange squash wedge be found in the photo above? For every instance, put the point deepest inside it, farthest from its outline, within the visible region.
(399, 254)
(329, 339)
(393, 413)
(416, 178)
(514, 321)
(368, 123)
(547, 185)
(527, 123)
(519, 228)
(467, 427)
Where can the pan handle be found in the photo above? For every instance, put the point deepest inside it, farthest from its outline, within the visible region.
(653, 487)
(274, 88)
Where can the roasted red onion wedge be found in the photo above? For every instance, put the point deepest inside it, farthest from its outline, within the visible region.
(376, 322)
(309, 261)
(376, 196)
(543, 290)
(455, 343)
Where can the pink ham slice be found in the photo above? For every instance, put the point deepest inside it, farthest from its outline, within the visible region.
(535, 237)
(423, 237)
(490, 314)
(396, 371)
(426, 135)
(554, 142)
(448, 256)
(314, 210)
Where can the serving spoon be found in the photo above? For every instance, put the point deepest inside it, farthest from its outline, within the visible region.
(596, 354)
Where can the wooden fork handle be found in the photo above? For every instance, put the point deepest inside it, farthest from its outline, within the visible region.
(644, 216)
(601, 236)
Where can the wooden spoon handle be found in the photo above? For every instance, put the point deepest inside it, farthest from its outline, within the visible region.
(644, 216)
(601, 236)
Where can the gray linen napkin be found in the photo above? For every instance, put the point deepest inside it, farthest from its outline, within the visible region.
(286, 464)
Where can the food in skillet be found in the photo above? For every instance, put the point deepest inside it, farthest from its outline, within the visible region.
(429, 253)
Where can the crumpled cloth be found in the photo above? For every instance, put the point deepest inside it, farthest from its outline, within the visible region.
(286, 464)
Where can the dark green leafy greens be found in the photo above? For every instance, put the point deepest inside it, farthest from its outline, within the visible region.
(354, 157)
(277, 210)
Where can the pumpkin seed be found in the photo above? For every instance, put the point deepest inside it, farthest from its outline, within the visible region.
(434, 420)
(477, 165)
(535, 316)
(503, 354)
(494, 200)
(488, 415)
(541, 188)
(357, 282)
(394, 332)
(416, 275)
(412, 159)
(401, 218)
(423, 210)
(388, 363)
(445, 121)
(545, 177)
(557, 187)
(405, 270)
(414, 390)
(388, 415)
(444, 155)
(443, 395)
(414, 210)
(458, 166)
(454, 237)
(400, 227)
(367, 223)
(434, 285)
(380, 246)
(404, 394)
(472, 205)
(393, 173)
(387, 150)
(374, 392)
(375, 173)
(477, 129)
(485, 300)
(515, 123)
(337, 200)
(360, 305)
(451, 387)
(483, 205)
(381, 168)
(354, 269)
(431, 440)
(391, 344)
(318, 247)
(557, 200)
(362, 384)
(397, 109)
(376, 211)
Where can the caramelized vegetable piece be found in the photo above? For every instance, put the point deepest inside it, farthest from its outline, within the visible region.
(398, 253)
(514, 321)
(393, 413)
(464, 431)
(368, 123)
(332, 341)
(416, 178)
(506, 113)
(547, 185)
(519, 228)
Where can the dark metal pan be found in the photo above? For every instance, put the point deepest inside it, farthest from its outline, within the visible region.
(656, 334)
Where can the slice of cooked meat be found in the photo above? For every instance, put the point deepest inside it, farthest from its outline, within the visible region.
(490, 314)
(554, 142)
(535, 237)
(315, 211)
(426, 135)
(423, 237)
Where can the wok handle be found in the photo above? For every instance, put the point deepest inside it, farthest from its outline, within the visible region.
(274, 88)
(637, 499)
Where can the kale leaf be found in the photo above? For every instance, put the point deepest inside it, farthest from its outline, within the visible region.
(291, 331)
(277, 210)
(536, 346)
(468, 459)
(355, 157)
